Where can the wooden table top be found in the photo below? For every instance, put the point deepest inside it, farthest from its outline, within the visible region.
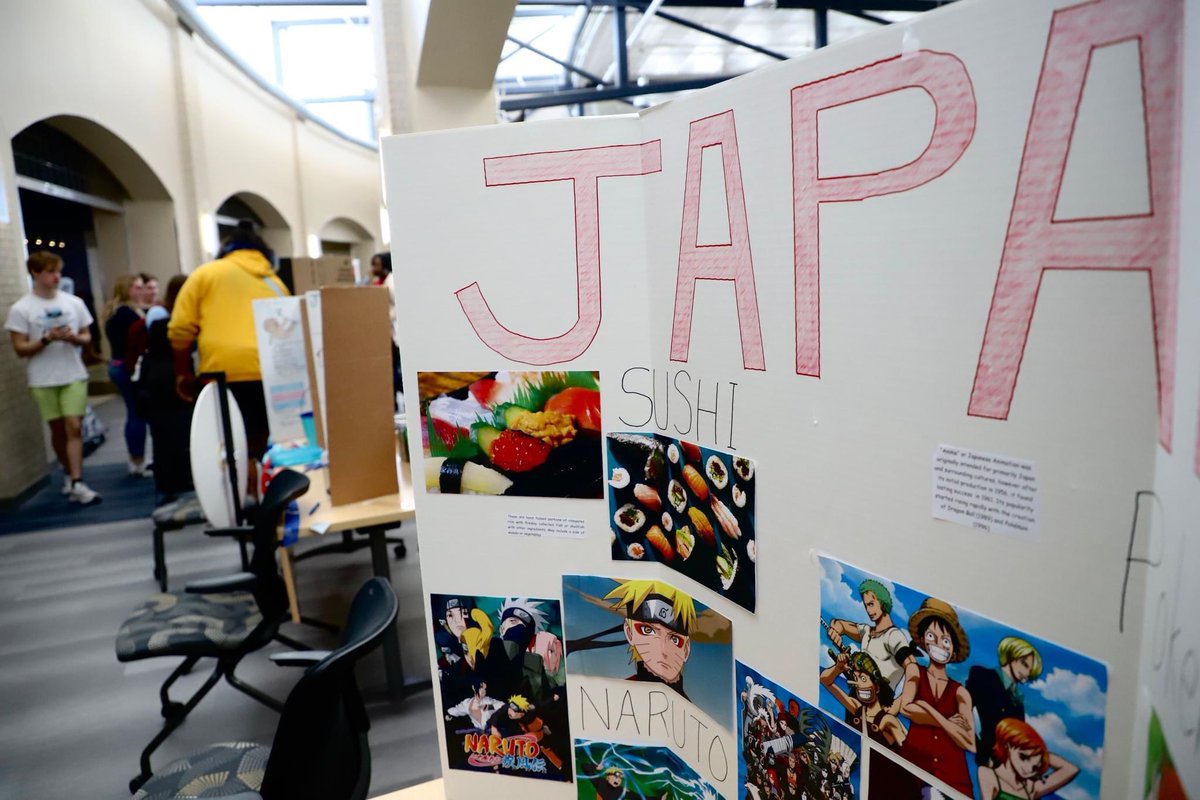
(376, 511)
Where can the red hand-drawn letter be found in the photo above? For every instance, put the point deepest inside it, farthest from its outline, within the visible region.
(583, 168)
(944, 78)
(1036, 241)
(729, 261)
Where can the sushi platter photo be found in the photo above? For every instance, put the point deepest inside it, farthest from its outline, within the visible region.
(529, 434)
(685, 506)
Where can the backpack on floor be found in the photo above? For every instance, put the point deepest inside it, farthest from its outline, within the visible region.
(94, 431)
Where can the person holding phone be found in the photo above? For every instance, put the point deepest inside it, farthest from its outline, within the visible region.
(49, 328)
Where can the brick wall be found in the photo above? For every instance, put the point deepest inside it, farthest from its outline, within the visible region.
(22, 443)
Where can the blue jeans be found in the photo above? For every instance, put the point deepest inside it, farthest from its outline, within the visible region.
(135, 426)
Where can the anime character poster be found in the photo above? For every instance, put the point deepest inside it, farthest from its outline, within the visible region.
(609, 771)
(988, 710)
(685, 506)
(502, 684)
(1162, 779)
(791, 749)
(512, 433)
(650, 631)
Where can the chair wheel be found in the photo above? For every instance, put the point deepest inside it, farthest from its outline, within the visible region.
(401, 551)
(137, 783)
(172, 709)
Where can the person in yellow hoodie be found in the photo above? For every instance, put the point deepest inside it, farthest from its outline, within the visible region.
(214, 311)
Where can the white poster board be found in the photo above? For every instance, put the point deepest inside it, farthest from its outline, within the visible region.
(281, 354)
(962, 231)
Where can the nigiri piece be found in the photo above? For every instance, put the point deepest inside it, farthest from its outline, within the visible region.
(684, 542)
(648, 496)
(582, 404)
(695, 482)
(726, 566)
(658, 540)
(702, 525)
(725, 518)
(692, 451)
(455, 476)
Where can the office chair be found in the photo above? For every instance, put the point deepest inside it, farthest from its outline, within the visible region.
(222, 618)
(320, 750)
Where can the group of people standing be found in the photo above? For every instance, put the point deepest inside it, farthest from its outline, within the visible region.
(919, 713)
(204, 324)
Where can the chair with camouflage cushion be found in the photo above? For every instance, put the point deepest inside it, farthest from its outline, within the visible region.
(176, 515)
(221, 618)
(320, 750)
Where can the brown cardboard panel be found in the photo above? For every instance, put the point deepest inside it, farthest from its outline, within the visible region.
(360, 423)
(318, 415)
(313, 273)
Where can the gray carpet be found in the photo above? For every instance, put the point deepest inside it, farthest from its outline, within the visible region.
(74, 719)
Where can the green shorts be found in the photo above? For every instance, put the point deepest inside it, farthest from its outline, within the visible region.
(69, 400)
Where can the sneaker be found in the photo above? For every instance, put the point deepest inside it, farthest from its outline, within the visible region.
(137, 470)
(67, 483)
(81, 493)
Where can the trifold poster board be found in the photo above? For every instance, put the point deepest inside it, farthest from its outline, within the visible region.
(359, 421)
(892, 355)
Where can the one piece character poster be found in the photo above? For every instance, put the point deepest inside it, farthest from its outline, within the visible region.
(791, 749)
(984, 708)
(1162, 778)
(512, 433)
(650, 631)
(685, 506)
(502, 683)
(611, 771)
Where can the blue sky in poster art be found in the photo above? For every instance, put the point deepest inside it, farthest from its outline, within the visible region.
(707, 676)
(1066, 705)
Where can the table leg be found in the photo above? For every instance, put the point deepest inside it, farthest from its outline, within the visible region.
(289, 580)
(391, 639)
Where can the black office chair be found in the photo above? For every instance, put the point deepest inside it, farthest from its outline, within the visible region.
(320, 750)
(222, 618)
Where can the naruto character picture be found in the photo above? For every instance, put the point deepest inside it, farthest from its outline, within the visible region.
(988, 710)
(609, 771)
(503, 685)
(645, 630)
(512, 433)
(687, 507)
(791, 750)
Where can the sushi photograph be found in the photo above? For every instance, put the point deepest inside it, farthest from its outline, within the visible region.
(525, 434)
(685, 506)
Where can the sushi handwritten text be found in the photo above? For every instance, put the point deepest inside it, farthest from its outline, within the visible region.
(713, 409)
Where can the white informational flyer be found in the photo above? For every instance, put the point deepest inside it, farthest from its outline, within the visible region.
(312, 303)
(284, 363)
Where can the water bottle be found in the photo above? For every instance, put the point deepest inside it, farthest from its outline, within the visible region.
(291, 524)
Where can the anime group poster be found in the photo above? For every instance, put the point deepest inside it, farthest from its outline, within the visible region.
(649, 631)
(990, 711)
(791, 750)
(512, 433)
(502, 683)
(687, 507)
(614, 771)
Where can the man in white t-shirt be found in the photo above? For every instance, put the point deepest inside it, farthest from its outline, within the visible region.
(881, 639)
(50, 328)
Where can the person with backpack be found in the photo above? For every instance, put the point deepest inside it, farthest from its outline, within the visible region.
(50, 328)
(168, 414)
